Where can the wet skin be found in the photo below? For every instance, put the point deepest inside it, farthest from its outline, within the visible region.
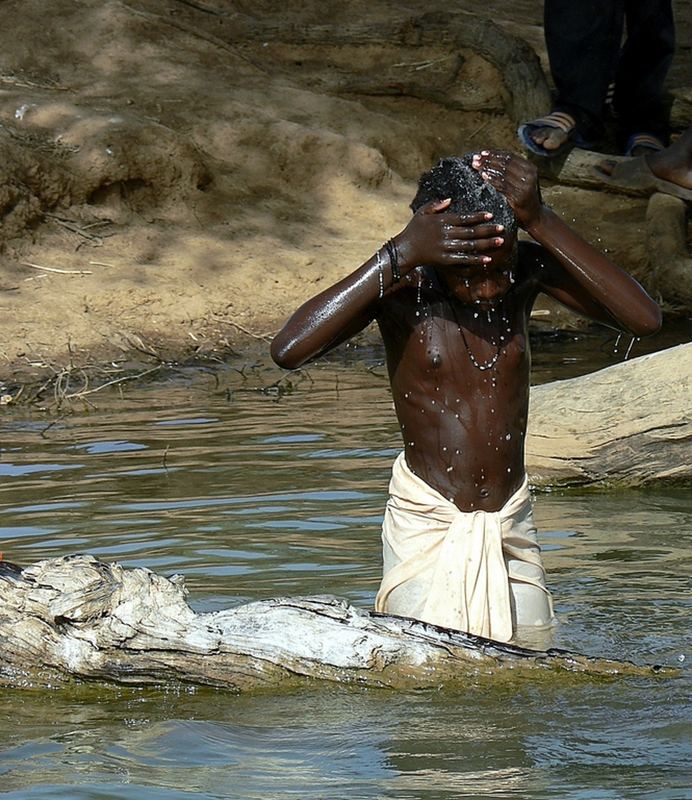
(455, 331)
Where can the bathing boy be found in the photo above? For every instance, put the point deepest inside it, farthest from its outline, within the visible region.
(452, 294)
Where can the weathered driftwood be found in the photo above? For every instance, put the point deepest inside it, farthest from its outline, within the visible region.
(78, 616)
(580, 168)
(629, 424)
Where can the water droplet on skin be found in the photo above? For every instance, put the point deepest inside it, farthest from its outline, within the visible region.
(451, 499)
(407, 394)
(433, 402)
(418, 313)
(508, 437)
(457, 452)
(509, 469)
(411, 444)
(617, 343)
(450, 468)
(475, 316)
(444, 449)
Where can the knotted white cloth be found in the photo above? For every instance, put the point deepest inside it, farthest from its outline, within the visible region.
(479, 571)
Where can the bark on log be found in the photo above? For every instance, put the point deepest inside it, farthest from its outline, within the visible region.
(628, 424)
(517, 63)
(580, 168)
(77, 616)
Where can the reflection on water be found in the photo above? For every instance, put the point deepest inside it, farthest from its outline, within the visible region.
(253, 494)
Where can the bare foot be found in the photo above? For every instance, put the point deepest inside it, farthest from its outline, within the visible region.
(674, 164)
(549, 138)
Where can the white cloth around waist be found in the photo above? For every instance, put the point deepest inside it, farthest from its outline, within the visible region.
(478, 571)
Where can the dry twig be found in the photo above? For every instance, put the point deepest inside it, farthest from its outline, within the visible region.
(55, 269)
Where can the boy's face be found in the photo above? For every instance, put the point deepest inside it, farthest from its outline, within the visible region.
(485, 283)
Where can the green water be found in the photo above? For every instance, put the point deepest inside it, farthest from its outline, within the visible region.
(251, 491)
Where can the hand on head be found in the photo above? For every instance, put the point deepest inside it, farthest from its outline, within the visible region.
(516, 178)
(438, 237)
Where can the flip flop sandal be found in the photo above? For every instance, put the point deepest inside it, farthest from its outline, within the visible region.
(559, 120)
(647, 140)
(635, 175)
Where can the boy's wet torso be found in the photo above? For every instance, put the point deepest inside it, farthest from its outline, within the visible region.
(460, 382)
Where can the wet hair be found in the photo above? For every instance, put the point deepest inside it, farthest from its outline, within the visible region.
(454, 177)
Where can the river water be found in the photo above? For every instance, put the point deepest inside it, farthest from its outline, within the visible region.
(252, 489)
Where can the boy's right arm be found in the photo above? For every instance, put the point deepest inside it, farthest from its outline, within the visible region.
(434, 236)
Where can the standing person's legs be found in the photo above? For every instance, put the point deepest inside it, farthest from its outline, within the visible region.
(642, 69)
(583, 41)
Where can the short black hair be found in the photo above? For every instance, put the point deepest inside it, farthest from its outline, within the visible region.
(453, 176)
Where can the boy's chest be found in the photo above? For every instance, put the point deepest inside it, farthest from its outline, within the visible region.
(437, 343)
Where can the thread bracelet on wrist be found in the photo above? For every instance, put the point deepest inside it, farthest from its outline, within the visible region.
(380, 273)
(393, 260)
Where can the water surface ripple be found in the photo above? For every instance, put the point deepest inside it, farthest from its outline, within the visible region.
(252, 495)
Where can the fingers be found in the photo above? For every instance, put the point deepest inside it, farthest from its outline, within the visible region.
(438, 207)
(458, 259)
(452, 233)
(475, 218)
(473, 245)
(435, 206)
(502, 169)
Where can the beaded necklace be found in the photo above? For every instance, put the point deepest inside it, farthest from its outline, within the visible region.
(497, 343)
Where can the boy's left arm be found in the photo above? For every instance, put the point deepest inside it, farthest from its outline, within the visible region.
(575, 273)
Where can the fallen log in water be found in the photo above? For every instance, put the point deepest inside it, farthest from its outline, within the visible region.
(628, 424)
(81, 617)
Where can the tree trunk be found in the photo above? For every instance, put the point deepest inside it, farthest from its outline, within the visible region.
(77, 616)
(514, 58)
(628, 424)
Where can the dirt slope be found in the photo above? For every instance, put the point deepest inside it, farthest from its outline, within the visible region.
(176, 177)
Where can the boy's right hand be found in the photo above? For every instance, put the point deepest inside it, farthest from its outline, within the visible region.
(437, 237)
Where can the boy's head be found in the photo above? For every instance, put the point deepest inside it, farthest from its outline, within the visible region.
(454, 177)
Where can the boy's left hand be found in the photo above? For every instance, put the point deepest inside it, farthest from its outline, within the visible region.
(516, 178)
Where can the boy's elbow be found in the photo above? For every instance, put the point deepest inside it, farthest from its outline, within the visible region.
(650, 322)
(282, 355)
